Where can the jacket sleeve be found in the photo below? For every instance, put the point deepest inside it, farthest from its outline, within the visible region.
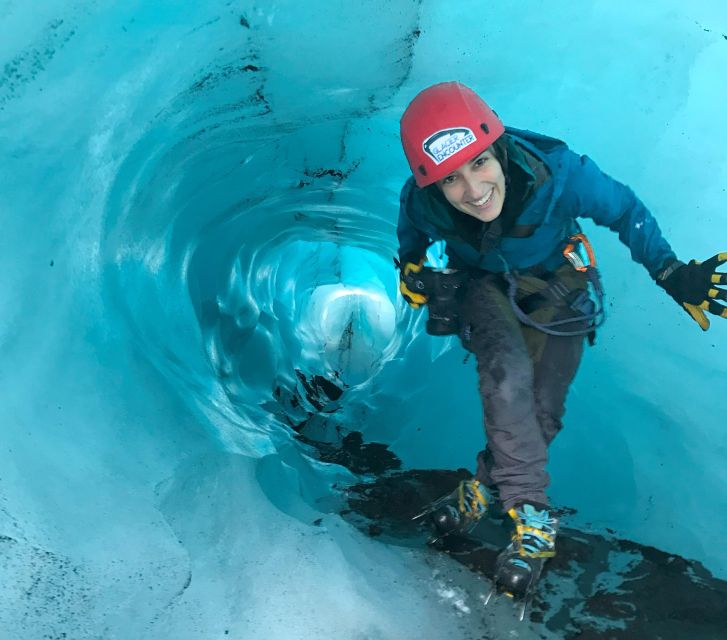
(413, 242)
(614, 205)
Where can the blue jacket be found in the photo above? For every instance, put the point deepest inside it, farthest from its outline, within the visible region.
(576, 188)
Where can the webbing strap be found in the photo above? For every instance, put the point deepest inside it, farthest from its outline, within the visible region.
(556, 291)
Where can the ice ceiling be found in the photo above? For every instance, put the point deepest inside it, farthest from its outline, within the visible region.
(198, 204)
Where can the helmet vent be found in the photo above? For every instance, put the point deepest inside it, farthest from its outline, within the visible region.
(485, 128)
(422, 170)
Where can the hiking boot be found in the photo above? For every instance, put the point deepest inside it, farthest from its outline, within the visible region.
(459, 511)
(519, 565)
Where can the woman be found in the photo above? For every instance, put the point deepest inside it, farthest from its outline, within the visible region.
(506, 202)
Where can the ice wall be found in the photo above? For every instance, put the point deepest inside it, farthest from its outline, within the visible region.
(199, 199)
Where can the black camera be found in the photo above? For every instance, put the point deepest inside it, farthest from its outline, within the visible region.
(443, 288)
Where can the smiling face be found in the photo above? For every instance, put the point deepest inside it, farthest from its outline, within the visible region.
(476, 188)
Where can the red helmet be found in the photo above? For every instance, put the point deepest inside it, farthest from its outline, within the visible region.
(444, 126)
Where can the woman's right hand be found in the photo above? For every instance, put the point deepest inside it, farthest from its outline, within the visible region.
(413, 299)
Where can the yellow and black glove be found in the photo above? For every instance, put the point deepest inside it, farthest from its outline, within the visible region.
(693, 287)
(406, 280)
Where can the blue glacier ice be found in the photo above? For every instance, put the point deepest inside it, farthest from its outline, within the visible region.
(198, 204)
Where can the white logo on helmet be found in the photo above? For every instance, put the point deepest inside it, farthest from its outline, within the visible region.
(442, 145)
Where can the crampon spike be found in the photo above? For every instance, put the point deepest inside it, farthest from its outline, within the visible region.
(519, 602)
(521, 606)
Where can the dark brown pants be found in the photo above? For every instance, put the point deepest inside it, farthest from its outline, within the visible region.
(524, 377)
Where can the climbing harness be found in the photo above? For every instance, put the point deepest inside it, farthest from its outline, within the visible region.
(578, 300)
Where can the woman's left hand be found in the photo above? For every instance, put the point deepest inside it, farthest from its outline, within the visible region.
(693, 287)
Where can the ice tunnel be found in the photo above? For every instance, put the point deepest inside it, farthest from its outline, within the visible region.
(203, 348)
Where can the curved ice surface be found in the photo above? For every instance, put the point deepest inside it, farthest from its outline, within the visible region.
(198, 203)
